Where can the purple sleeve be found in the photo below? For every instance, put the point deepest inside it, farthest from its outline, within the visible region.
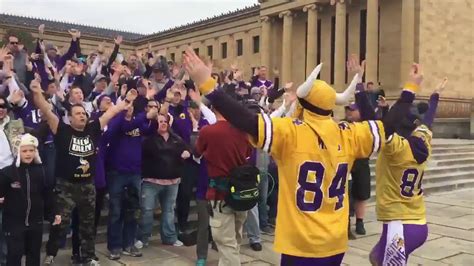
(418, 148)
(162, 93)
(61, 61)
(41, 69)
(38, 48)
(430, 114)
(366, 110)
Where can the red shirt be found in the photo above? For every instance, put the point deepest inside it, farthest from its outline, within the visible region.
(224, 147)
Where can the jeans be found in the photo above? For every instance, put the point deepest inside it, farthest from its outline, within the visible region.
(262, 203)
(167, 196)
(120, 232)
(251, 225)
(3, 245)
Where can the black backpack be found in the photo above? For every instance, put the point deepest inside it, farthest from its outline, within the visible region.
(243, 193)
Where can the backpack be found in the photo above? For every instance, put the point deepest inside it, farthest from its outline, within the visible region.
(243, 193)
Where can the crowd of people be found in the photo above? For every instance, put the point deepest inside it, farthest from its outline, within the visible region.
(77, 129)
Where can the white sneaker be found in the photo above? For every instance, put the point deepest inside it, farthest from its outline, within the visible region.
(178, 244)
(138, 244)
(49, 260)
(94, 263)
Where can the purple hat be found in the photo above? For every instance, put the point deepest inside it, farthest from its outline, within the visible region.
(352, 106)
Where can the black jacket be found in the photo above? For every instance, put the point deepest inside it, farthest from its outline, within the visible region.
(162, 159)
(25, 195)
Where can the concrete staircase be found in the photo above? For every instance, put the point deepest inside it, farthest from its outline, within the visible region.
(450, 167)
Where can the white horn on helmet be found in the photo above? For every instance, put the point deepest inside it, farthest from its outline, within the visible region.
(304, 89)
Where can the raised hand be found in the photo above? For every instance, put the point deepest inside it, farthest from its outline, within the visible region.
(152, 113)
(41, 31)
(149, 48)
(131, 95)
(170, 94)
(276, 72)
(288, 86)
(195, 96)
(17, 96)
(440, 88)
(75, 34)
(35, 86)
(416, 74)
(118, 40)
(381, 102)
(354, 67)
(238, 75)
(198, 71)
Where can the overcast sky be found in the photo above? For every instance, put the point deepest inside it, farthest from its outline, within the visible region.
(141, 16)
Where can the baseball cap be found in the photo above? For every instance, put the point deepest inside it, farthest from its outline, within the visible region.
(352, 106)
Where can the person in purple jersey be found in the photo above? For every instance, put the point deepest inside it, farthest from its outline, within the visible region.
(124, 138)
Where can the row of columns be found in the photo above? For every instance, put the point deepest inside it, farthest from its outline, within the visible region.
(340, 42)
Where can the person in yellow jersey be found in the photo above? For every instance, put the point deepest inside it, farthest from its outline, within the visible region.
(399, 173)
(313, 156)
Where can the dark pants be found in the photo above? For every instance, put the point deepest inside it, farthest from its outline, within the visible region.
(82, 196)
(185, 192)
(24, 241)
(99, 205)
(121, 230)
(273, 195)
(3, 246)
(203, 229)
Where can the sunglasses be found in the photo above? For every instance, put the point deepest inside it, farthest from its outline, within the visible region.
(14, 43)
(152, 106)
(3, 106)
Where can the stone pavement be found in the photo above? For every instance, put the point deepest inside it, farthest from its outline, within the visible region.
(450, 241)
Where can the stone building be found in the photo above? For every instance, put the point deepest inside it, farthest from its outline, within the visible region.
(294, 35)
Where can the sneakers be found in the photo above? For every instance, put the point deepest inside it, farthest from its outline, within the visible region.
(93, 263)
(201, 262)
(141, 244)
(49, 260)
(256, 246)
(360, 230)
(114, 255)
(178, 244)
(132, 252)
(267, 230)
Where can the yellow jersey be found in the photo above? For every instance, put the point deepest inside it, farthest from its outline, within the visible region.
(399, 178)
(312, 199)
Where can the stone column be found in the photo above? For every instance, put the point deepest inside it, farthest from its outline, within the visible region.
(407, 38)
(372, 41)
(265, 41)
(340, 49)
(287, 47)
(312, 38)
